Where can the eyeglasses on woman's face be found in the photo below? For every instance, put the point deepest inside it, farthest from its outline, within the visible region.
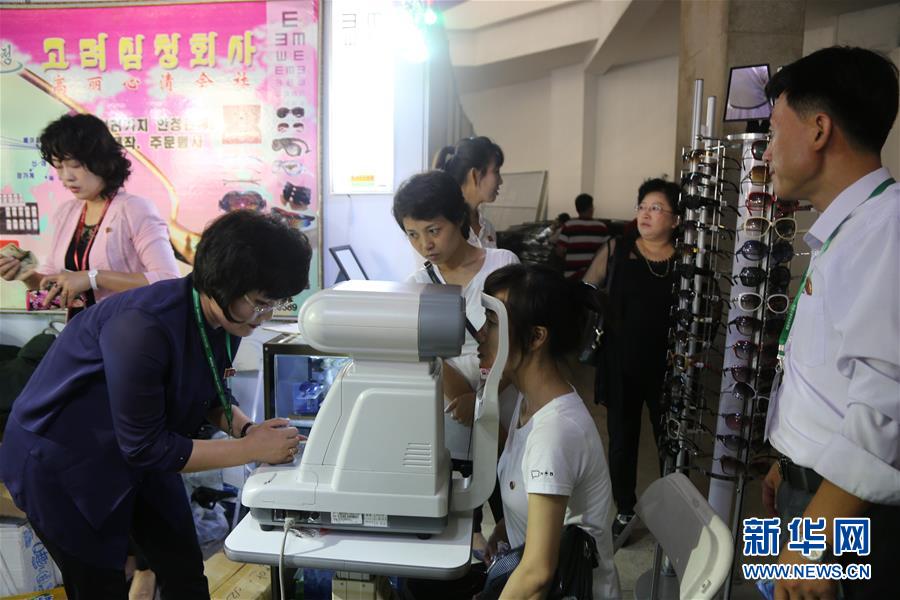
(264, 307)
(654, 208)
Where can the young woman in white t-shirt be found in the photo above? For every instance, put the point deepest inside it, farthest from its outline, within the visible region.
(430, 209)
(552, 471)
(474, 163)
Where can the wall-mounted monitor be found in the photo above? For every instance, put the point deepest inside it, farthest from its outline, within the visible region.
(747, 99)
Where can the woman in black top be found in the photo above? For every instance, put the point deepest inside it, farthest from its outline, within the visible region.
(633, 359)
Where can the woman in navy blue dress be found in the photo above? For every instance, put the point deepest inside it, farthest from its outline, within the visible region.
(97, 439)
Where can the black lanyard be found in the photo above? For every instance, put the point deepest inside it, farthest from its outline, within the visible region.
(220, 388)
(469, 327)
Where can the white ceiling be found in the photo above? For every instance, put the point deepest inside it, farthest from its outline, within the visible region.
(648, 29)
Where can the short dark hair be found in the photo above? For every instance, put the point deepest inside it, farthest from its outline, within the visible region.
(583, 202)
(669, 189)
(85, 138)
(539, 296)
(244, 251)
(469, 153)
(431, 194)
(856, 87)
(563, 217)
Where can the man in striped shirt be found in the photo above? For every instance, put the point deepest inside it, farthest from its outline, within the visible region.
(580, 238)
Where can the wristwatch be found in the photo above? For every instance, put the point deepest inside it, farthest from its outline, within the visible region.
(818, 555)
(92, 277)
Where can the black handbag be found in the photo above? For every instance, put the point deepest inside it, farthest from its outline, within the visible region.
(595, 300)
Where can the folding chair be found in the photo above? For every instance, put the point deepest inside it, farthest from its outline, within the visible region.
(699, 545)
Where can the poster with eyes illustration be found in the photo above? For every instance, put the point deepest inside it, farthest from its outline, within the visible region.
(215, 103)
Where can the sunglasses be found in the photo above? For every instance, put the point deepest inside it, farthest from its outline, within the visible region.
(780, 276)
(683, 336)
(292, 219)
(691, 294)
(753, 250)
(682, 428)
(747, 350)
(752, 302)
(744, 374)
(756, 468)
(689, 271)
(752, 276)
(297, 111)
(292, 146)
(685, 317)
(295, 196)
(291, 167)
(282, 127)
(701, 226)
(741, 391)
(783, 252)
(747, 325)
(736, 421)
(758, 175)
(758, 148)
(785, 227)
(789, 207)
(242, 201)
(758, 201)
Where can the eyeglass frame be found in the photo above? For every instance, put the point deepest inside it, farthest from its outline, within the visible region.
(261, 309)
(769, 224)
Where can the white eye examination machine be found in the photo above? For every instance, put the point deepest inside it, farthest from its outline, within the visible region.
(375, 459)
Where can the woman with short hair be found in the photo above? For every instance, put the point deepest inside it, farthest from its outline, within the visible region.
(96, 441)
(105, 240)
(431, 210)
(632, 362)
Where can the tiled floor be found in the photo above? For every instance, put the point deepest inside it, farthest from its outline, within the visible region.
(637, 557)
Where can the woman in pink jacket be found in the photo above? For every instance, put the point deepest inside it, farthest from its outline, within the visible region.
(104, 239)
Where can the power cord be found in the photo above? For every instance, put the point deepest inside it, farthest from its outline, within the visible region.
(288, 524)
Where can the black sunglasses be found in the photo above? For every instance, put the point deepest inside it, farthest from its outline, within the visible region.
(295, 196)
(758, 148)
(242, 201)
(297, 111)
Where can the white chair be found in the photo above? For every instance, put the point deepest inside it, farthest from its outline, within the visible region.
(698, 543)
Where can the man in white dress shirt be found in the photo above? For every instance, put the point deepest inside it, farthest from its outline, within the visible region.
(836, 415)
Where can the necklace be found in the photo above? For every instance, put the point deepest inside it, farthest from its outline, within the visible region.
(668, 262)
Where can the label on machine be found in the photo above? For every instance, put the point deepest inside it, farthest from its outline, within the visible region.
(344, 518)
(373, 520)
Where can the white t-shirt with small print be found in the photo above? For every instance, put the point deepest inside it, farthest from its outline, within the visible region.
(558, 452)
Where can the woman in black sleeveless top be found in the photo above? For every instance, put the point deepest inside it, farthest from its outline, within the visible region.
(632, 363)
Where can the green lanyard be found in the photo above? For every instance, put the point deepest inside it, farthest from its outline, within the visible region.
(220, 389)
(792, 310)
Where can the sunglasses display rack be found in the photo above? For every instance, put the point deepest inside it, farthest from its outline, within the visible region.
(696, 316)
(761, 276)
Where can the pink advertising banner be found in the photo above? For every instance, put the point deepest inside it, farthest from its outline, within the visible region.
(215, 103)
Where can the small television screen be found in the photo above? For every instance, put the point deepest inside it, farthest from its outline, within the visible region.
(347, 262)
(747, 99)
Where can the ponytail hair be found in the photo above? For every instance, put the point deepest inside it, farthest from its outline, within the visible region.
(540, 296)
(470, 153)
